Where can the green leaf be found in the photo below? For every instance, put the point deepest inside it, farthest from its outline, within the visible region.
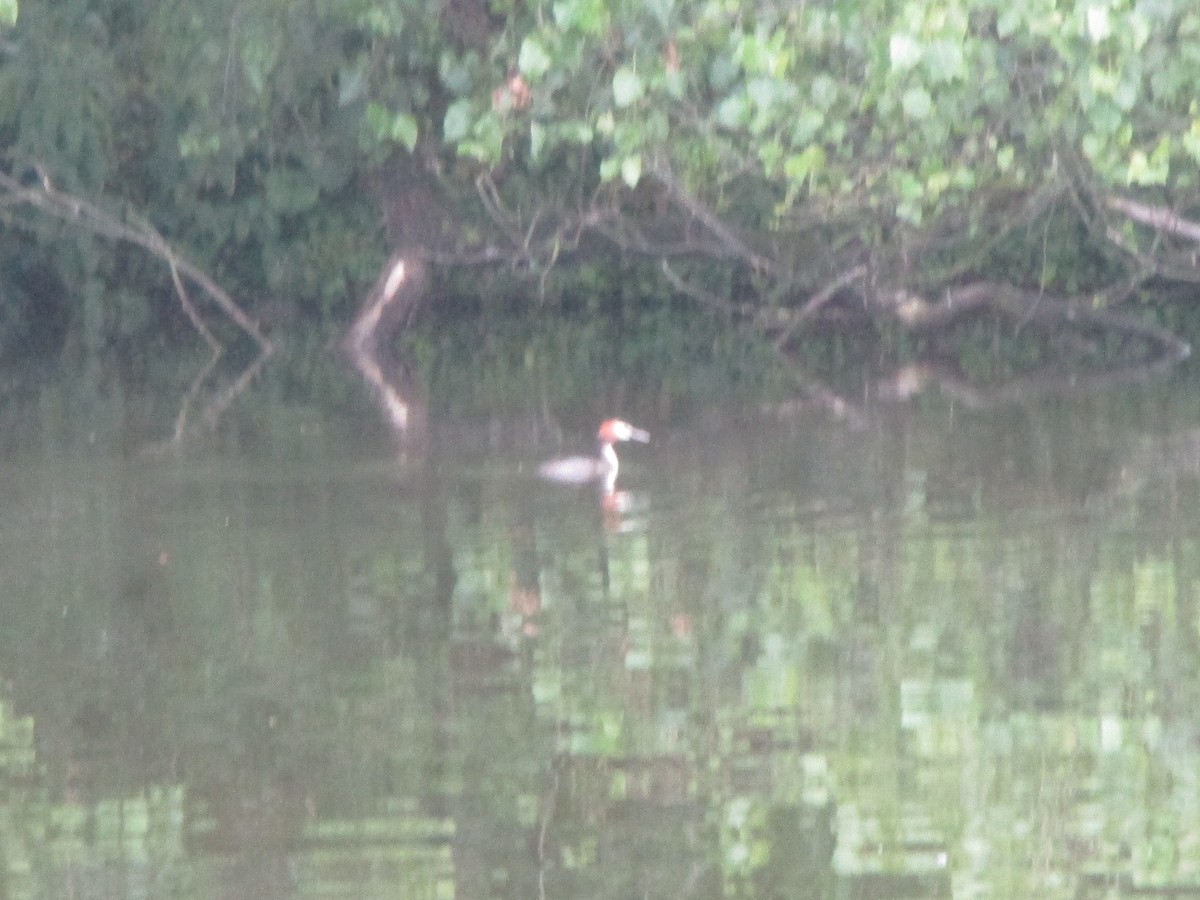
(382, 22)
(773, 100)
(917, 103)
(486, 139)
(763, 53)
(904, 52)
(385, 125)
(1004, 157)
(763, 92)
(352, 83)
(721, 72)
(1152, 169)
(631, 170)
(909, 211)
(537, 139)
(661, 10)
(1126, 95)
(627, 87)
(944, 60)
(937, 182)
(769, 154)
(587, 16)
(575, 131)
(8, 12)
(675, 84)
(533, 60)
(1191, 141)
(1099, 25)
(808, 122)
(1009, 20)
(911, 189)
(629, 136)
(823, 91)
(457, 124)
(1105, 117)
(802, 166)
(732, 111)
(454, 72)
(405, 130)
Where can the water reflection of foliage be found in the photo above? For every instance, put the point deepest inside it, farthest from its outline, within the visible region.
(835, 661)
(895, 664)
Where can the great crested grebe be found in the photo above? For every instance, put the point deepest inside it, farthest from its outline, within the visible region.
(603, 466)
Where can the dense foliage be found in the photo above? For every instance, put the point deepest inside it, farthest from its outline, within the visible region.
(806, 146)
(905, 110)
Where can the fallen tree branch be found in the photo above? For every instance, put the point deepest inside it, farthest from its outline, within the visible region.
(400, 286)
(48, 199)
(1160, 218)
(44, 197)
(818, 300)
(696, 293)
(683, 198)
(1031, 306)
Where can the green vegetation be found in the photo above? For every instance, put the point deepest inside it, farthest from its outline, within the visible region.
(766, 155)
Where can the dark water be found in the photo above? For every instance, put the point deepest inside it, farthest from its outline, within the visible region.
(945, 655)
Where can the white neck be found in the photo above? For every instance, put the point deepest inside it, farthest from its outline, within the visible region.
(609, 455)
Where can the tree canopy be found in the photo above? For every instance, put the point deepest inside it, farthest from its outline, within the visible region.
(892, 147)
(811, 139)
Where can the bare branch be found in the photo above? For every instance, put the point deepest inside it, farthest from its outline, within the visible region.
(50, 200)
(400, 286)
(1160, 218)
(680, 195)
(818, 300)
(697, 293)
(181, 291)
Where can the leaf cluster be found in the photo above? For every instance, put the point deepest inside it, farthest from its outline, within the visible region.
(900, 108)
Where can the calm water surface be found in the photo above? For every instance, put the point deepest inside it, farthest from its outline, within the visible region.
(949, 655)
